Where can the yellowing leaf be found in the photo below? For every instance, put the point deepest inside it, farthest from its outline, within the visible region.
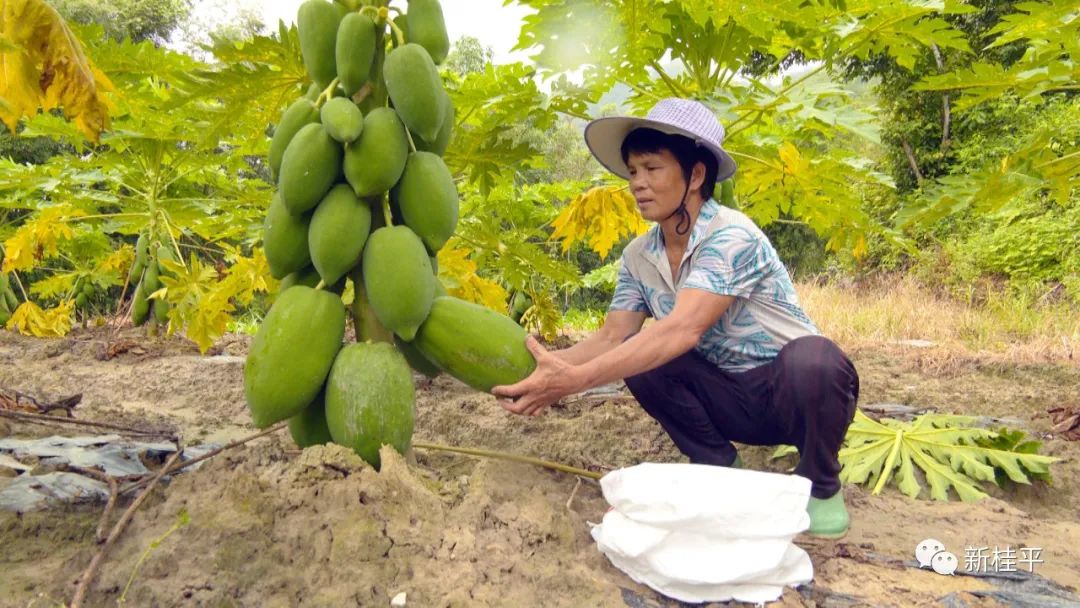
(38, 238)
(601, 217)
(30, 320)
(459, 274)
(119, 261)
(248, 276)
(42, 65)
(198, 302)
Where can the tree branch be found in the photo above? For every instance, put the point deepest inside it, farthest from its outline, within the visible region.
(946, 111)
(911, 161)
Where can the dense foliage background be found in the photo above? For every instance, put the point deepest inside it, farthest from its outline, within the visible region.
(937, 139)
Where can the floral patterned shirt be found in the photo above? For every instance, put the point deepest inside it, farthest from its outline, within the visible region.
(727, 255)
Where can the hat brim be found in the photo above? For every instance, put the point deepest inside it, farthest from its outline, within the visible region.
(604, 137)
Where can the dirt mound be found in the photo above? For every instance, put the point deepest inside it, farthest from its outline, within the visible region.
(322, 528)
(270, 525)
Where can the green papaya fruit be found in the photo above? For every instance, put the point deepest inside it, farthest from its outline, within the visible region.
(370, 399)
(427, 27)
(339, 228)
(374, 162)
(139, 265)
(140, 308)
(80, 300)
(142, 247)
(427, 199)
(292, 353)
(355, 51)
(161, 311)
(313, 92)
(367, 325)
(434, 264)
(310, 277)
(415, 89)
(727, 193)
(12, 300)
(490, 352)
(88, 289)
(165, 253)
(519, 304)
(397, 278)
(342, 119)
(151, 281)
(446, 131)
(416, 359)
(311, 164)
(301, 112)
(317, 24)
(309, 428)
(285, 239)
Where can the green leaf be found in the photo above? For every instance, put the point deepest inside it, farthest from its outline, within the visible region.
(949, 455)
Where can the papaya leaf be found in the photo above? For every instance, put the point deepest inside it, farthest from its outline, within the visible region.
(38, 239)
(949, 453)
(31, 320)
(543, 317)
(458, 273)
(42, 66)
(198, 303)
(600, 217)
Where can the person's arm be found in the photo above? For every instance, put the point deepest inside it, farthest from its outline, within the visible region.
(617, 326)
(695, 312)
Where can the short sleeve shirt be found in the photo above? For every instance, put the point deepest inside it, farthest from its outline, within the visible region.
(727, 255)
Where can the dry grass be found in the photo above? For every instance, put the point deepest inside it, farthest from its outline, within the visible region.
(1004, 330)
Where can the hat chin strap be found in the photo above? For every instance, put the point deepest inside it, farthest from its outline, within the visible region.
(684, 221)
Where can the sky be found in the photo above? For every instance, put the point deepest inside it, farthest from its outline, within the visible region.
(495, 25)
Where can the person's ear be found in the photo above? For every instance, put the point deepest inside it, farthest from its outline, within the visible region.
(697, 176)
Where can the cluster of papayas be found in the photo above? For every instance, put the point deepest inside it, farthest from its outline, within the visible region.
(8, 301)
(146, 272)
(363, 195)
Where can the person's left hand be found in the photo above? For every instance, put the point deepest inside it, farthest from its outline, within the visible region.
(552, 380)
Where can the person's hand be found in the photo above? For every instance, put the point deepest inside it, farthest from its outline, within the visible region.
(552, 380)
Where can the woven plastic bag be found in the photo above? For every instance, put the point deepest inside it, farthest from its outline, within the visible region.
(700, 533)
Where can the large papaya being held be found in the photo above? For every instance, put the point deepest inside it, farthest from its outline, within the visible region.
(474, 344)
(374, 162)
(317, 25)
(415, 89)
(370, 399)
(292, 353)
(397, 277)
(427, 199)
(309, 167)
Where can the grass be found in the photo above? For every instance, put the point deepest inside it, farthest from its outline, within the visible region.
(1016, 328)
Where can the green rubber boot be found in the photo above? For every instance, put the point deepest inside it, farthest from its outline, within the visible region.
(828, 516)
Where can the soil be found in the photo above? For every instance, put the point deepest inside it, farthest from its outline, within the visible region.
(270, 525)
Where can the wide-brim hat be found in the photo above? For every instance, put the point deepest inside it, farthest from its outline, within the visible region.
(673, 116)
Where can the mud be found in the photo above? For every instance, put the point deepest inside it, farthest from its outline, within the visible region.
(270, 525)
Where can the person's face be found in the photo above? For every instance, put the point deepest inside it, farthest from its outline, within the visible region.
(657, 183)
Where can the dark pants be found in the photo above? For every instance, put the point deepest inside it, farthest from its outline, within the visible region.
(805, 397)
